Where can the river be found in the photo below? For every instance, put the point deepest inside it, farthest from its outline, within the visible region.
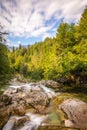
(35, 120)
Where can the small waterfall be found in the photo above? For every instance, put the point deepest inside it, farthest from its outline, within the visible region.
(30, 126)
(50, 92)
(34, 123)
(35, 119)
(23, 87)
(14, 87)
(32, 86)
(9, 125)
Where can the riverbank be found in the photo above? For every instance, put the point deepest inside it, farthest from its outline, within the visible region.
(21, 98)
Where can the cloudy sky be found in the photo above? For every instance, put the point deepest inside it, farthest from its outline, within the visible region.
(29, 21)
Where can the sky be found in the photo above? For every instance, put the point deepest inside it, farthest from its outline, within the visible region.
(30, 21)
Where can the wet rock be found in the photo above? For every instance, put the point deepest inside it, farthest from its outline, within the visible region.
(16, 109)
(20, 120)
(4, 116)
(10, 91)
(76, 111)
(5, 100)
(37, 100)
(19, 98)
(50, 84)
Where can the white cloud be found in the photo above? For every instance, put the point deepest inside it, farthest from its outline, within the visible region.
(19, 42)
(30, 17)
(13, 44)
(41, 30)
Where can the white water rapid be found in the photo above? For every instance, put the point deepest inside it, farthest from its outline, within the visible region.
(35, 120)
(31, 86)
(50, 92)
(34, 123)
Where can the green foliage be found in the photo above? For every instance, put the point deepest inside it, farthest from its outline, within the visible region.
(82, 28)
(24, 70)
(4, 62)
(37, 74)
(3, 59)
(54, 57)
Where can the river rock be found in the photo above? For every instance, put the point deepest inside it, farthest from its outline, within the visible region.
(76, 111)
(10, 91)
(20, 120)
(37, 100)
(5, 100)
(4, 116)
(16, 109)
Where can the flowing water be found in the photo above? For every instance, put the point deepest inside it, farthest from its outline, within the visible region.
(31, 86)
(48, 91)
(34, 123)
(35, 120)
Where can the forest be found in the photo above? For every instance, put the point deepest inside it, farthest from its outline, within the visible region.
(43, 86)
(64, 56)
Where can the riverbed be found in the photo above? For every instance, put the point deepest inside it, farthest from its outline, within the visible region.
(42, 112)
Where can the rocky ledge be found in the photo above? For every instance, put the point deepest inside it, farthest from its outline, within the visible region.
(76, 110)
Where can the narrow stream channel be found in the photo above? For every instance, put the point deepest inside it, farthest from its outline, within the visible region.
(35, 120)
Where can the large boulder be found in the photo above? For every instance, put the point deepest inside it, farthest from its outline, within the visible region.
(28, 95)
(76, 111)
(37, 100)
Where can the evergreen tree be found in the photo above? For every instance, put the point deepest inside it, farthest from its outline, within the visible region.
(54, 57)
(4, 62)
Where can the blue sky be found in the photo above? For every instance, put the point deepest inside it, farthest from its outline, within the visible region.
(30, 21)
